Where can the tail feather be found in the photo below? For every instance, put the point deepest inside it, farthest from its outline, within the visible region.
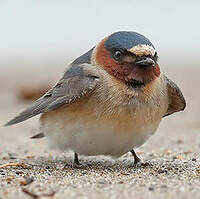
(37, 136)
(35, 109)
(20, 118)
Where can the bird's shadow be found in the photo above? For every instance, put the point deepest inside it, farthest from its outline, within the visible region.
(123, 165)
(90, 163)
(104, 164)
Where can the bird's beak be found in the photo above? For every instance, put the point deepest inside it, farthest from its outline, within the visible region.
(145, 62)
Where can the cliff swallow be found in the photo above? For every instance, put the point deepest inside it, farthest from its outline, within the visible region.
(109, 100)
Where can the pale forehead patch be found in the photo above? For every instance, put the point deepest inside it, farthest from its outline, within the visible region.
(143, 49)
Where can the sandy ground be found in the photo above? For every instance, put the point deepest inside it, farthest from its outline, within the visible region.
(171, 158)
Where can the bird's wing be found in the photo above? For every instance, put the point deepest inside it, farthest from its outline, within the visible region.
(74, 84)
(176, 99)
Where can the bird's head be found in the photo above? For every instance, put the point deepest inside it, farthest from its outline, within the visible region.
(128, 56)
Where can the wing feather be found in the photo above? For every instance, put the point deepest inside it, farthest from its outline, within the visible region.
(176, 99)
(74, 84)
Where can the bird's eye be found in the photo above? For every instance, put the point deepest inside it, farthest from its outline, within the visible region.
(117, 55)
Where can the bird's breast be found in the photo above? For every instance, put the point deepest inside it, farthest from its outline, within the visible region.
(88, 132)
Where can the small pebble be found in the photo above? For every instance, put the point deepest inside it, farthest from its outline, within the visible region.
(12, 156)
(178, 157)
(151, 189)
(48, 167)
(102, 182)
(162, 171)
(84, 173)
(9, 179)
(26, 181)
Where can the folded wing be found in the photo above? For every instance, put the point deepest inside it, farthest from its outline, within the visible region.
(176, 99)
(74, 84)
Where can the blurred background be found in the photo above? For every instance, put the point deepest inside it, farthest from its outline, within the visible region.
(37, 33)
(39, 38)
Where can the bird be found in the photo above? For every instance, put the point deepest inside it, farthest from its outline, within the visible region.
(109, 101)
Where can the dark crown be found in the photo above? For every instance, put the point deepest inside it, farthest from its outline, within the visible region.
(126, 40)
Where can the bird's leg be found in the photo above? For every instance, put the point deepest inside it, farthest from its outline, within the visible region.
(136, 158)
(76, 163)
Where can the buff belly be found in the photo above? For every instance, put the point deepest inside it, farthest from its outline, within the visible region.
(94, 136)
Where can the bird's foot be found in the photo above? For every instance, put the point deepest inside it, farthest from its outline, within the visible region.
(79, 165)
(76, 164)
(138, 164)
(137, 160)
